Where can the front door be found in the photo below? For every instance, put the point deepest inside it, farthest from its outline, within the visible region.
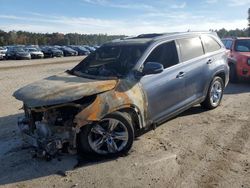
(165, 91)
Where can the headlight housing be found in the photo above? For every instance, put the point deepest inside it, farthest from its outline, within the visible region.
(248, 62)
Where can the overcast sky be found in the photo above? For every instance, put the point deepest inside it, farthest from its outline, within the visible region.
(128, 17)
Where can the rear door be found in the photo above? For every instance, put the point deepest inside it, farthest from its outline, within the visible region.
(195, 67)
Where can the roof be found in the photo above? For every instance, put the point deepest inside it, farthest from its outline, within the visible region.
(152, 37)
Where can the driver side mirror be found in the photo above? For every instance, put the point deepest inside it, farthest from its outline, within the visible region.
(152, 68)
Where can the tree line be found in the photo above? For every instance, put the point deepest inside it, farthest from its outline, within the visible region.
(26, 38)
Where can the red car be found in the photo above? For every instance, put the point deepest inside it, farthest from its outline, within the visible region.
(238, 57)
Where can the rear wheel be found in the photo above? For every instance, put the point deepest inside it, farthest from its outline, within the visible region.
(233, 77)
(111, 136)
(214, 94)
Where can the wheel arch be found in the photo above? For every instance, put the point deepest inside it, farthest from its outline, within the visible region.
(221, 74)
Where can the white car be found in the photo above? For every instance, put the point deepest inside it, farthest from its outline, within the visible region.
(2, 52)
(35, 53)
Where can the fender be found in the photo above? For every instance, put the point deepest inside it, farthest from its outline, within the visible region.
(124, 96)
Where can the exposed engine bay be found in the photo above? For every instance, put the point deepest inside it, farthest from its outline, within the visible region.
(50, 129)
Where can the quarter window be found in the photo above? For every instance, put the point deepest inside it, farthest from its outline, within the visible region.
(190, 48)
(166, 54)
(210, 44)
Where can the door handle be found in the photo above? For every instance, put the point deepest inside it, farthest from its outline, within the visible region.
(209, 61)
(180, 75)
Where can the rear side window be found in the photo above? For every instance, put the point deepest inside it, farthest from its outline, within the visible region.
(190, 48)
(166, 54)
(210, 44)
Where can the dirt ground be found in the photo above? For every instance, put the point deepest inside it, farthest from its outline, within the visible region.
(196, 149)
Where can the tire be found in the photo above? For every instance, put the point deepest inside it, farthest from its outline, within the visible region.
(214, 94)
(100, 139)
(233, 77)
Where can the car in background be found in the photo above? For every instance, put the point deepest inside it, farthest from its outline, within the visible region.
(3, 51)
(17, 53)
(52, 52)
(2, 56)
(35, 53)
(90, 48)
(96, 46)
(238, 57)
(81, 50)
(68, 51)
(122, 88)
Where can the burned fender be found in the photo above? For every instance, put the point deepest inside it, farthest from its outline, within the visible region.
(127, 94)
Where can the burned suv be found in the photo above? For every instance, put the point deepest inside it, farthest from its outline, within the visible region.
(123, 87)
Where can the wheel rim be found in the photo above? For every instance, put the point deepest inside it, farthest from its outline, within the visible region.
(108, 136)
(216, 93)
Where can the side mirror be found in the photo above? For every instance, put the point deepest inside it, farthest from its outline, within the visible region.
(152, 68)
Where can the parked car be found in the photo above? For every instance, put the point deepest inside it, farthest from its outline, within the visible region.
(68, 51)
(90, 48)
(123, 87)
(2, 56)
(17, 53)
(52, 52)
(2, 52)
(81, 50)
(238, 57)
(35, 53)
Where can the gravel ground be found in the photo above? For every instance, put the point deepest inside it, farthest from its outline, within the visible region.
(196, 149)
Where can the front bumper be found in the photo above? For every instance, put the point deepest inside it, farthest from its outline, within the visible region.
(23, 57)
(37, 56)
(58, 55)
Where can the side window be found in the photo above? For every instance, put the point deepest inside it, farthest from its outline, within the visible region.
(190, 48)
(229, 44)
(210, 44)
(224, 41)
(166, 54)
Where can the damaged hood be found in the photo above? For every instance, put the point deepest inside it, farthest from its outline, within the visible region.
(60, 89)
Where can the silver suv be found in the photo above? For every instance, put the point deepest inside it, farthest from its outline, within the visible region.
(123, 87)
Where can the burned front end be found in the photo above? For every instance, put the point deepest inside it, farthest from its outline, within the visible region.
(50, 129)
(51, 107)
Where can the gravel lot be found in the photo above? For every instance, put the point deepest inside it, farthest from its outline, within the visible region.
(197, 149)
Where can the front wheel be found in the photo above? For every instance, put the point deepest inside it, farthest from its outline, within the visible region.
(111, 136)
(214, 94)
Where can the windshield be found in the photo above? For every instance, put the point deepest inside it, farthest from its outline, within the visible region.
(111, 60)
(18, 50)
(242, 45)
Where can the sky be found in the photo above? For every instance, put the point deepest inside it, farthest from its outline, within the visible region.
(127, 17)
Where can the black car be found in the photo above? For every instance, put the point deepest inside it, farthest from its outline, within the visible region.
(52, 52)
(68, 51)
(17, 53)
(81, 50)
